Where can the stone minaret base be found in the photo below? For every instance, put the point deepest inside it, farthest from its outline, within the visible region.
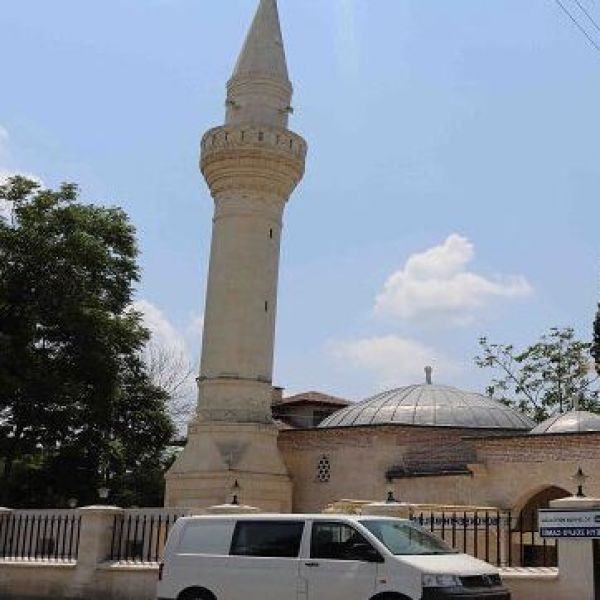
(219, 454)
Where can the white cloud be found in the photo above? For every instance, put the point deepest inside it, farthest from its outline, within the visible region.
(437, 284)
(162, 330)
(392, 360)
(4, 138)
(196, 326)
(6, 171)
(169, 361)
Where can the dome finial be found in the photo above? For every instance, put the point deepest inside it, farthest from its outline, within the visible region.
(429, 375)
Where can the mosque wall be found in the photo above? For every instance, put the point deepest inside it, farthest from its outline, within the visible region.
(511, 470)
(327, 465)
(538, 448)
(358, 459)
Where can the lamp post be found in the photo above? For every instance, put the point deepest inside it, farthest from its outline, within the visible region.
(390, 496)
(580, 478)
(103, 493)
(235, 492)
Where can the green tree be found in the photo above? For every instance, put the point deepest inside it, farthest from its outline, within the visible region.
(76, 401)
(551, 376)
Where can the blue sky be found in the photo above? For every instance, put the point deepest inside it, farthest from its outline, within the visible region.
(451, 188)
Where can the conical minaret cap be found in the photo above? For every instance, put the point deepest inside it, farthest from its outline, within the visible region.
(259, 91)
(263, 52)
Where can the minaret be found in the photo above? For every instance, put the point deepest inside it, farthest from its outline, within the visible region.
(252, 164)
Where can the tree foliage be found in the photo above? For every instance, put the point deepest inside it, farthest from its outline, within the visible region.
(77, 407)
(552, 376)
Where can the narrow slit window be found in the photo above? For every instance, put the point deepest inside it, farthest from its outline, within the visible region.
(266, 306)
(271, 233)
(261, 136)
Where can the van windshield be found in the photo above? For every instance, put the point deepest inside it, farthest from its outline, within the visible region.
(406, 538)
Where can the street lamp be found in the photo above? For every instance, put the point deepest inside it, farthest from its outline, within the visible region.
(103, 493)
(390, 496)
(580, 478)
(235, 491)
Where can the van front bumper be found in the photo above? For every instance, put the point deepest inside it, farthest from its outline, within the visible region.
(496, 593)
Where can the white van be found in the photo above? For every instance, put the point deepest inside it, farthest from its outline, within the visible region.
(317, 557)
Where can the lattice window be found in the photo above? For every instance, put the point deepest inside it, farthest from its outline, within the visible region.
(324, 469)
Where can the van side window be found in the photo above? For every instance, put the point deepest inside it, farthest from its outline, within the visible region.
(337, 541)
(267, 539)
(206, 537)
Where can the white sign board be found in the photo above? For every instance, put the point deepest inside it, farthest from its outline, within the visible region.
(569, 523)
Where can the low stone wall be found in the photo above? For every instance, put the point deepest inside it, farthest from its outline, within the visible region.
(534, 584)
(20, 580)
(34, 573)
(118, 581)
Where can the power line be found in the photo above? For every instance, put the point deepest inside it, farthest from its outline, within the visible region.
(579, 26)
(586, 12)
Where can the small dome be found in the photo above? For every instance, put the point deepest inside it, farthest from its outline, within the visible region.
(574, 421)
(430, 405)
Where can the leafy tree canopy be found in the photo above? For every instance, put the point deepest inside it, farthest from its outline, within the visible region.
(553, 375)
(75, 397)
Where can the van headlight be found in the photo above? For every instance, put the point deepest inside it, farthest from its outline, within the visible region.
(441, 581)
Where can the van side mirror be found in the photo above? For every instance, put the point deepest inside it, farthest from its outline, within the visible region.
(365, 552)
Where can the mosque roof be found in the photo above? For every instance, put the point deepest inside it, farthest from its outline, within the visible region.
(430, 405)
(315, 398)
(574, 421)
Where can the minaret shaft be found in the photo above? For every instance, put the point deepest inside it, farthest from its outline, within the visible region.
(239, 321)
(251, 170)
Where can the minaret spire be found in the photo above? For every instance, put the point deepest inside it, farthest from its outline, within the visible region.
(263, 52)
(259, 91)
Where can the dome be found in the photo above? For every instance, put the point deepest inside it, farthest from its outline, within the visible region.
(430, 405)
(574, 421)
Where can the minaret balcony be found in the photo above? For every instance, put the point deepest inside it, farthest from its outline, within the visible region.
(252, 157)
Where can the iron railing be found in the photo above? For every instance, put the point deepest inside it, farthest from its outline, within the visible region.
(141, 536)
(498, 537)
(40, 536)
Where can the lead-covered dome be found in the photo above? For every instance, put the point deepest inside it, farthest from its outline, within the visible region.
(574, 421)
(431, 405)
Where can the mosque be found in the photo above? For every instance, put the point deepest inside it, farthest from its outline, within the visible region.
(424, 443)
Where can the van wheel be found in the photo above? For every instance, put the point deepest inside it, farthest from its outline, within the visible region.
(196, 594)
(390, 596)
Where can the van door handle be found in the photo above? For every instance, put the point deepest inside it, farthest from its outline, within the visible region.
(312, 564)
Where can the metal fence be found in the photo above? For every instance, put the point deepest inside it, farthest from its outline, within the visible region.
(140, 536)
(498, 537)
(49, 535)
